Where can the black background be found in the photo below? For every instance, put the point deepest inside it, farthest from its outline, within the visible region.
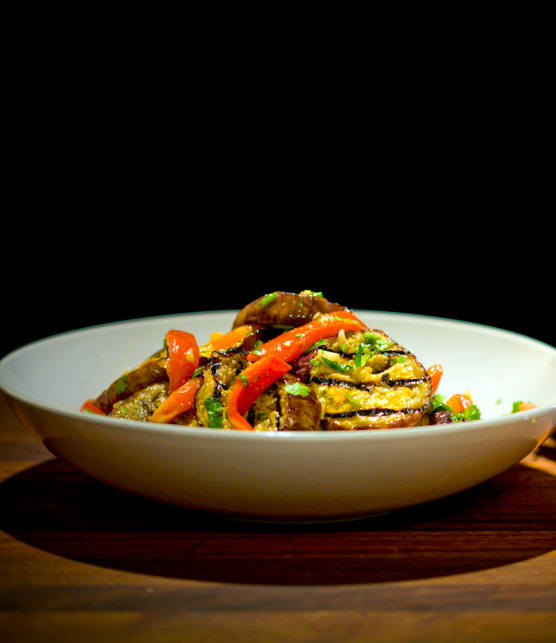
(89, 270)
(117, 213)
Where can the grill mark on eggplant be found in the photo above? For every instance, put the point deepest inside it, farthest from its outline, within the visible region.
(278, 410)
(329, 381)
(407, 382)
(227, 352)
(251, 413)
(375, 411)
(385, 352)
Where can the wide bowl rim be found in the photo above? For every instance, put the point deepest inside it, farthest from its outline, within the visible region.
(296, 437)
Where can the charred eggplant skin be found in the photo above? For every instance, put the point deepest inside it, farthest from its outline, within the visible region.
(299, 412)
(151, 372)
(141, 405)
(283, 308)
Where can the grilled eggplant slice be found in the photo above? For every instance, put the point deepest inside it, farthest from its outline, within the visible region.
(365, 380)
(142, 404)
(218, 375)
(285, 309)
(287, 405)
(356, 380)
(151, 371)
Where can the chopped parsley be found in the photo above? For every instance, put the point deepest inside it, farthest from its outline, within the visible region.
(317, 344)
(337, 366)
(353, 401)
(215, 412)
(516, 405)
(121, 384)
(438, 402)
(362, 355)
(268, 298)
(298, 388)
(470, 413)
(397, 360)
(375, 340)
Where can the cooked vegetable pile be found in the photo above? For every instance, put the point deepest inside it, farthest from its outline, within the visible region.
(290, 362)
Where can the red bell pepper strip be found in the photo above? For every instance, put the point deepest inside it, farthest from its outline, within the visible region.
(248, 385)
(435, 372)
(523, 406)
(459, 403)
(183, 357)
(181, 400)
(90, 407)
(297, 341)
(219, 342)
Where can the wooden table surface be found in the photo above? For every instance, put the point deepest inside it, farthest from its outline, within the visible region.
(80, 562)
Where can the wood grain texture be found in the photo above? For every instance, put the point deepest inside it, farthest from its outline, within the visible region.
(80, 561)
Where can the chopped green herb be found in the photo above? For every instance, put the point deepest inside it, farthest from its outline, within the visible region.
(298, 388)
(437, 402)
(337, 366)
(256, 348)
(353, 401)
(469, 414)
(317, 344)
(244, 381)
(516, 405)
(312, 292)
(268, 298)
(121, 385)
(197, 371)
(215, 412)
(397, 360)
(375, 340)
(363, 355)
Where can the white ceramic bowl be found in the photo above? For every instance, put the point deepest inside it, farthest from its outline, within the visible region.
(290, 475)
